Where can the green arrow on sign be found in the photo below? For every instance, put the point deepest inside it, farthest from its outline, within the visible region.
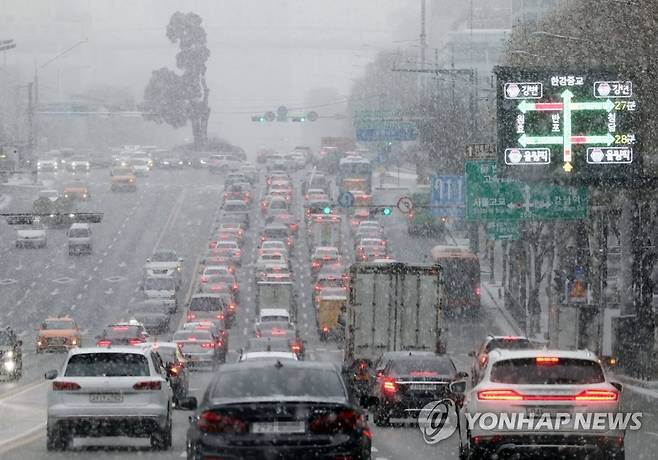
(525, 140)
(606, 105)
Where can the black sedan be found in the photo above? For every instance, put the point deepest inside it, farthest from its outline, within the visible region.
(277, 409)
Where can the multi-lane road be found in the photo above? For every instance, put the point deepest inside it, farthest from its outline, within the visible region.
(176, 209)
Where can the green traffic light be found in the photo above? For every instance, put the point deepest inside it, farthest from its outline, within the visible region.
(326, 210)
(386, 211)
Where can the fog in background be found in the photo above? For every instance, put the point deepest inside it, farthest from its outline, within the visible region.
(299, 53)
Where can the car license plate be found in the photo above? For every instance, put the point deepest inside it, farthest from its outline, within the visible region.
(422, 387)
(106, 398)
(538, 411)
(278, 427)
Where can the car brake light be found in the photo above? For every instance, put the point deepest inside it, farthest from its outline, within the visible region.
(208, 345)
(477, 291)
(212, 422)
(150, 385)
(546, 360)
(104, 343)
(65, 386)
(204, 279)
(483, 359)
(317, 287)
(220, 316)
(389, 386)
(120, 328)
(597, 395)
(499, 395)
(135, 342)
(190, 316)
(325, 329)
(231, 306)
(296, 348)
(315, 264)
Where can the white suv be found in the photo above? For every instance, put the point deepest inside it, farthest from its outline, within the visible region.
(533, 388)
(116, 391)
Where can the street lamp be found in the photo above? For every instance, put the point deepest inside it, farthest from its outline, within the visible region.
(35, 102)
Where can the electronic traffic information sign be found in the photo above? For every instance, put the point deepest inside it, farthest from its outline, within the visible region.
(571, 126)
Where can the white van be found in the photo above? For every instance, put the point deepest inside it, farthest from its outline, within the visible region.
(79, 237)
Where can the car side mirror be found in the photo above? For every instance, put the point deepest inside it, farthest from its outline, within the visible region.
(368, 401)
(51, 375)
(458, 387)
(618, 386)
(461, 375)
(471, 354)
(187, 403)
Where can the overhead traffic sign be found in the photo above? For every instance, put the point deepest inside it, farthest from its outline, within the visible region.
(405, 204)
(447, 196)
(491, 198)
(504, 230)
(374, 131)
(576, 126)
(346, 199)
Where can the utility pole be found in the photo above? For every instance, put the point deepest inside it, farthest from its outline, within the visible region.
(30, 117)
(423, 46)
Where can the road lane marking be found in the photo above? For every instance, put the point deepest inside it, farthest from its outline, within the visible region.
(23, 439)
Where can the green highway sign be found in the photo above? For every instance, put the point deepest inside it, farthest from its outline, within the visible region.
(374, 114)
(504, 230)
(573, 126)
(490, 198)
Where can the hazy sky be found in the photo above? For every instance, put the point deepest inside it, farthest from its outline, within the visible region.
(264, 53)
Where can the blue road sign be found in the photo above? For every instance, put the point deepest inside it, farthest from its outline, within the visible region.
(448, 196)
(386, 131)
(346, 200)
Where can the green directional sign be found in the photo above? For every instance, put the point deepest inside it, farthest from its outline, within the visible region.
(585, 123)
(504, 230)
(490, 198)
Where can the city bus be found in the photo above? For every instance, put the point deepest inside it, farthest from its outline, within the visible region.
(461, 269)
(354, 173)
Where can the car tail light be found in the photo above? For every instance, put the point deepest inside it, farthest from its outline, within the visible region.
(135, 342)
(344, 421)
(296, 348)
(204, 279)
(325, 329)
(235, 286)
(546, 360)
(317, 287)
(477, 291)
(389, 386)
(220, 316)
(208, 345)
(597, 395)
(190, 316)
(149, 385)
(499, 395)
(231, 306)
(104, 343)
(65, 386)
(293, 227)
(259, 334)
(315, 264)
(212, 422)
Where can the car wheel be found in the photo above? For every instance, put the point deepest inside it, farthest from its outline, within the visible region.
(57, 439)
(161, 439)
(381, 417)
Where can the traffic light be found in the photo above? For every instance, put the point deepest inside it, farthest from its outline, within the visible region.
(258, 118)
(299, 119)
(381, 211)
(326, 210)
(386, 211)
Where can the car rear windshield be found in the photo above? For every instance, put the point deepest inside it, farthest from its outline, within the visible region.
(78, 233)
(159, 284)
(57, 325)
(235, 207)
(193, 336)
(274, 318)
(426, 366)
(107, 365)
(122, 332)
(511, 343)
(151, 307)
(206, 304)
(164, 257)
(278, 204)
(278, 382)
(529, 371)
(276, 233)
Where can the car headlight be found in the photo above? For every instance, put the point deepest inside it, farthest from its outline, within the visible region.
(178, 268)
(39, 343)
(74, 342)
(10, 365)
(9, 354)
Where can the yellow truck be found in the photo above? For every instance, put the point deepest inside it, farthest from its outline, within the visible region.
(123, 178)
(329, 305)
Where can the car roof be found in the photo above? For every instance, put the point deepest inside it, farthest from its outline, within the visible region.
(111, 349)
(249, 355)
(78, 225)
(58, 318)
(498, 354)
(274, 312)
(260, 364)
